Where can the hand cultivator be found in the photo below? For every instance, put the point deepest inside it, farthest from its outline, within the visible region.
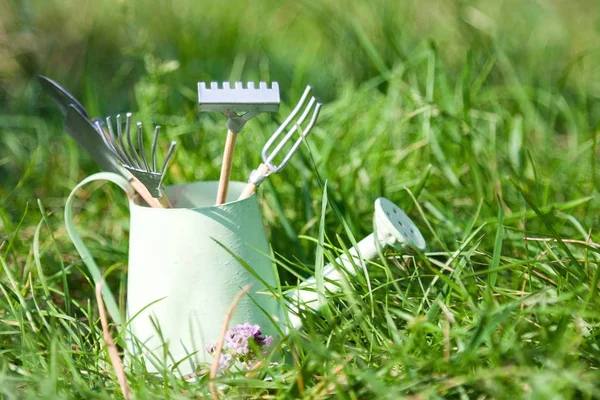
(135, 162)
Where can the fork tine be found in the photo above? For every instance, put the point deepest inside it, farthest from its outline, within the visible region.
(303, 133)
(110, 128)
(106, 140)
(132, 153)
(116, 147)
(153, 150)
(291, 131)
(313, 119)
(266, 168)
(120, 138)
(119, 128)
(285, 123)
(140, 134)
(167, 160)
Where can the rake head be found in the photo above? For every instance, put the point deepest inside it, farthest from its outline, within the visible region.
(231, 101)
(312, 106)
(238, 99)
(134, 160)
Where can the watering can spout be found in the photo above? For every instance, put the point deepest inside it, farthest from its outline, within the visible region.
(392, 228)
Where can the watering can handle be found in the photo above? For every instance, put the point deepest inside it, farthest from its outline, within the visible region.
(86, 256)
(306, 296)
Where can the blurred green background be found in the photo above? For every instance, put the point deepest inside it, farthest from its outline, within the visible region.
(100, 50)
(108, 53)
(118, 56)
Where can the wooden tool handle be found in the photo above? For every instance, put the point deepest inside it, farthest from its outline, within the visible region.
(226, 167)
(250, 188)
(139, 187)
(164, 201)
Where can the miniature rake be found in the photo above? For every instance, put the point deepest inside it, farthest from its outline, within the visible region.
(239, 105)
(89, 136)
(135, 161)
(267, 167)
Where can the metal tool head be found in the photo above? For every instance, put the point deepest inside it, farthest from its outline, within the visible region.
(269, 155)
(80, 128)
(60, 96)
(238, 98)
(257, 176)
(231, 101)
(135, 160)
(394, 228)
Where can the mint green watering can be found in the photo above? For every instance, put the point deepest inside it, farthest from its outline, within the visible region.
(187, 263)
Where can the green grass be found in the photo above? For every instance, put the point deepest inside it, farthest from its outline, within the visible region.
(479, 118)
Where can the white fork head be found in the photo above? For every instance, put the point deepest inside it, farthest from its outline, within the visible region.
(313, 106)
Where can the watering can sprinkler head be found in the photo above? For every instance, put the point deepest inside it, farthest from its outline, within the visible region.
(392, 228)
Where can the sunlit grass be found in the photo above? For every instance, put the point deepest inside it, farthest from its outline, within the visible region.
(481, 122)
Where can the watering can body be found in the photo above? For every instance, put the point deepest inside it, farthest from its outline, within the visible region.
(187, 264)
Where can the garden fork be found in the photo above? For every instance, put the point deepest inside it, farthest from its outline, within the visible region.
(267, 167)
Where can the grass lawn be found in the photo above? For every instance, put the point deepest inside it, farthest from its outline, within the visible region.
(480, 118)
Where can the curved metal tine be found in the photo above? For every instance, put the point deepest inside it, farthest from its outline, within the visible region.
(106, 140)
(140, 133)
(132, 153)
(122, 156)
(97, 124)
(288, 135)
(121, 142)
(111, 133)
(167, 160)
(303, 133)
(285, 123)
(153, 150)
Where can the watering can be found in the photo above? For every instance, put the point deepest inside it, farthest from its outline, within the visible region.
(187, 263)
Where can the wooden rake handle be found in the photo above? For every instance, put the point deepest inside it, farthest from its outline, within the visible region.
(226, 167)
